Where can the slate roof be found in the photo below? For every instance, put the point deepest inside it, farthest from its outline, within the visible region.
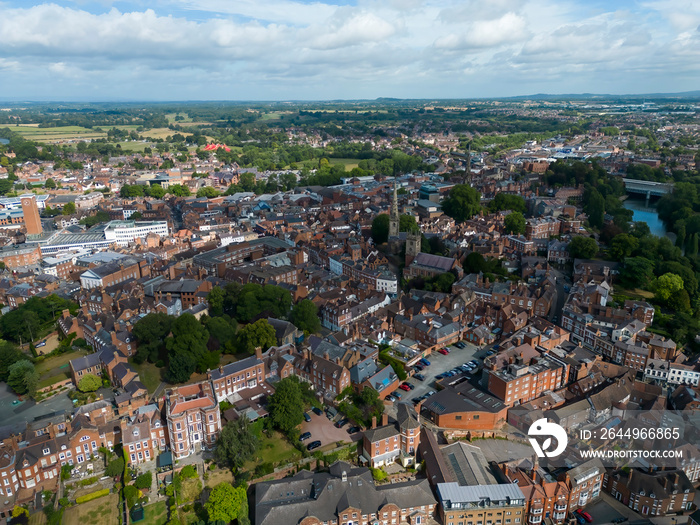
(325, 495)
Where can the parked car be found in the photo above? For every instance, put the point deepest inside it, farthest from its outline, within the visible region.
(417, 400)
(419, 366)
(317, 411)
(460, 345)
(396, 394)
(307, 417)
(342, 423)
(474, 362)
(305, 436)
(440, 376)
(585, 515)
(443, 351)
(313, 445)
(353, 430)
(419, 377)
(580, 519)
(404, 386)
(430, 393)
(490, 352)
(41, 343)
(425, 361)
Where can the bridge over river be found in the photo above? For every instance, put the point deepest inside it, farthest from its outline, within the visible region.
(647, 188)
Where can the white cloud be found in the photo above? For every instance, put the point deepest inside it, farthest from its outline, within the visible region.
(422, 48)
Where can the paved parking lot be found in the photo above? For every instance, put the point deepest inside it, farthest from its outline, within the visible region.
(441, 363)
(323, 430)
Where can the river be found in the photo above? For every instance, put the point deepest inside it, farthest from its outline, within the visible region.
(647, 213)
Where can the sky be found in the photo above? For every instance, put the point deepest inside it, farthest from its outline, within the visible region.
(161, 50)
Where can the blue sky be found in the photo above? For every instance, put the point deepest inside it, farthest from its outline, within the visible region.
(345, 49)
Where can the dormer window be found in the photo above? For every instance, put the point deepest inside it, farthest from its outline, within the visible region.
(46, 451)
(136, 432)
(84, 438)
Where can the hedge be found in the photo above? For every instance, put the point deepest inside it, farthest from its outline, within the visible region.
(92, 495)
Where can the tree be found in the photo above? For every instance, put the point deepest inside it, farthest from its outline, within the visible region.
(224, 503)
(115, 467)
(50, 184)
(156, 191)
(514, 222)
(144, 481)
(23, 377)
(582, 247)
(136, 216)
(237, 443)
(222, 333)
(285, 406)
(179, 190)
(9, 355)
(637, 271)
(622, 246)
(208, 192)
(258, 334)
(463, 203)
(594, 206)
(507, 201)
(151, 332)
(216, 301)
(69, 208)
(679, 301)
(247, 182)
(474, 263)
(89, 383)
(667, 285)
(305, 316)
(187, 348)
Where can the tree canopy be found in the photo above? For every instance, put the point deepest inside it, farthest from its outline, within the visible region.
(225, 503)
(304, 315)
(89, 383)
(285, 406)
(236, 444)
(582, 247)
(463, 203)
(514, 223)
(258, 334)
(187, 349)
(507, 201)
(23, 377)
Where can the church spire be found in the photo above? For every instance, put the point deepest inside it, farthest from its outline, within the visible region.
(394, 217)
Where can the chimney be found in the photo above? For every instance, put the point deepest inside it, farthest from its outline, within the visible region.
(258, 352)
(374, 421)
(385, 419)
(325, 355)
(114, 337)
(221, 369)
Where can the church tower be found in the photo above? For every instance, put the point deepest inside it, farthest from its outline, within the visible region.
(413, 241)
(394, 217)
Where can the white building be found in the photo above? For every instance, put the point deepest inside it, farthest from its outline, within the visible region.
(125, 232)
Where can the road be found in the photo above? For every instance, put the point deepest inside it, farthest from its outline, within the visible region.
(562, 280)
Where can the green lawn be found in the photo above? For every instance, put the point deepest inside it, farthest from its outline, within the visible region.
(155, 514)
(149, 374)
(50, 380)
(348, 163)
(103, 510)
(58, 364)
(274, 448)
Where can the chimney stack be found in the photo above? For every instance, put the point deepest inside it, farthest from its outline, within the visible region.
(258, 352)
(385, 419)
(374, 421)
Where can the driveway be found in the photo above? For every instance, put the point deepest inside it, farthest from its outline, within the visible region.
(324, 431)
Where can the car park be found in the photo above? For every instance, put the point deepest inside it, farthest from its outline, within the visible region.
(317, 411)
(353, 430)
(313, 445)
(419, 377)
(305, 436)
(342, 423)
(307, 417)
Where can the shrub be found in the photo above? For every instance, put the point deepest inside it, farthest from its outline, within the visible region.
(190, 471)
(64, 502)
(263, 469)
(88, 481)
(92, 496)
(144, 481)
(131, 494)
(378, 474)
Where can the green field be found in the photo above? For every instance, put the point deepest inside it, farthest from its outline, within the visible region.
(348, 163)
(56, 365)
(149, 374)
(274, 448)
(101, 510)
(155, 514)
(52, 379)
(57, 134)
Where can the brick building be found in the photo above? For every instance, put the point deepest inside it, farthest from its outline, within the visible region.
(193, 418)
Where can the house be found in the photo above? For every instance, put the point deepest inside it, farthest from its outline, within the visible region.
(470, 503)
(463, 407)
(346, 494)
(285, 332)
(392, 442)
(366, 374)
(651, 493)
(237, 376)
(192, 414)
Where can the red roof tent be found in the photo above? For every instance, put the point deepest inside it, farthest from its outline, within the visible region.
(214, 147)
